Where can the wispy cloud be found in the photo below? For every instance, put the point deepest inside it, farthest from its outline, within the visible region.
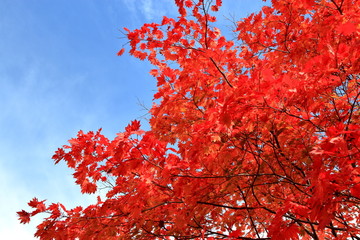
(33, 112)
(149, 10)
(11, 197)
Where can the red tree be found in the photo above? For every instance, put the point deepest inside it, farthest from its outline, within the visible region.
(252, 138)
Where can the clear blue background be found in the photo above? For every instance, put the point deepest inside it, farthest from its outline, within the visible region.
(59, 73)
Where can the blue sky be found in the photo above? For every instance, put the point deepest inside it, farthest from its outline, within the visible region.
(59, 73)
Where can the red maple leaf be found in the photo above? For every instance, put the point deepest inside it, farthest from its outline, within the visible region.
(347, 28)
(24, 216)
(121, 52)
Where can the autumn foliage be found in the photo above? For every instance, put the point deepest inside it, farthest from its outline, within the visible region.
(257, 137)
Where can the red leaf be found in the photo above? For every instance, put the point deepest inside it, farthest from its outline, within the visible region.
(235, 234)
(39, 205)
(214, 8)
(33, 203)
(121, 52)
(24, 216)
(154, 72)
(355, 191)
(346, 28)
(133, 126)
(188, 3)
(88, 187)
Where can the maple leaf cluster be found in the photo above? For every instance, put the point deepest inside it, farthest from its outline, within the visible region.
(252, 138)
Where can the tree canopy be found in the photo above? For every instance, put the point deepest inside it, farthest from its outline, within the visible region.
(255, 137)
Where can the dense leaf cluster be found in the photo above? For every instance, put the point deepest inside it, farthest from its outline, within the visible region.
(252, 138)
